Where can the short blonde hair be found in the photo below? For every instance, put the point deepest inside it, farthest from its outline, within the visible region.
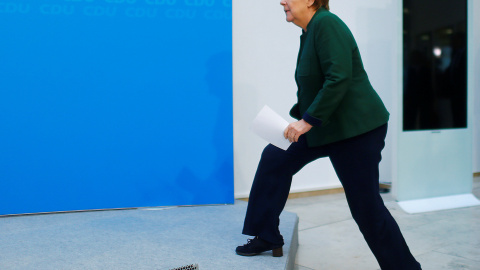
(321, 3)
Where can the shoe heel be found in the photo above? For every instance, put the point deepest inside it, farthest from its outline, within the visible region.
(277, 252)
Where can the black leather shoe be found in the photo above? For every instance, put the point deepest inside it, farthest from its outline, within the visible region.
(256, 246)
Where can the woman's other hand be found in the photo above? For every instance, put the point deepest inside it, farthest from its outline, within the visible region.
(296, 129)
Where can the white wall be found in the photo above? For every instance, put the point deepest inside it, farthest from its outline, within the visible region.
(265, 48)
(377, 30)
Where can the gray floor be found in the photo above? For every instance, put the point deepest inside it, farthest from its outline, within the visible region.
(330, 240)
(155, 238)
(163, 239)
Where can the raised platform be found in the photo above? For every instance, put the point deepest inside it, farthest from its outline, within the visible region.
(146, 238)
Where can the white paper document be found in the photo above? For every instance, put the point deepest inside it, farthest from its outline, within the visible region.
(270, 126)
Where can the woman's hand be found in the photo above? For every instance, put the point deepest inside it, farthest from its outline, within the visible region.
(295, 129)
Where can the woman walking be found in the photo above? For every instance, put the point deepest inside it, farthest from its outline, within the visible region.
(340, 116)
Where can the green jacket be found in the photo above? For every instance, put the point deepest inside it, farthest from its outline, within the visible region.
(334, 93)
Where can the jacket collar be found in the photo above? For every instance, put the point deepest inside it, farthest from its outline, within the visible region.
(320, 10)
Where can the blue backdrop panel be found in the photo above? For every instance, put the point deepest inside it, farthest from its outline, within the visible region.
(114, 103)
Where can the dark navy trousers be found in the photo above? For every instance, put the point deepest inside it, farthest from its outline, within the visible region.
(355, 161)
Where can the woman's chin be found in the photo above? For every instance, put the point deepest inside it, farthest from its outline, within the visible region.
(289, 19)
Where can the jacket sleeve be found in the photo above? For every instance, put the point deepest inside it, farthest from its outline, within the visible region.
(333, 45)
(295, 113)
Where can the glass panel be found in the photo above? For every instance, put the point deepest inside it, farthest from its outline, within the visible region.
(435, 64)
